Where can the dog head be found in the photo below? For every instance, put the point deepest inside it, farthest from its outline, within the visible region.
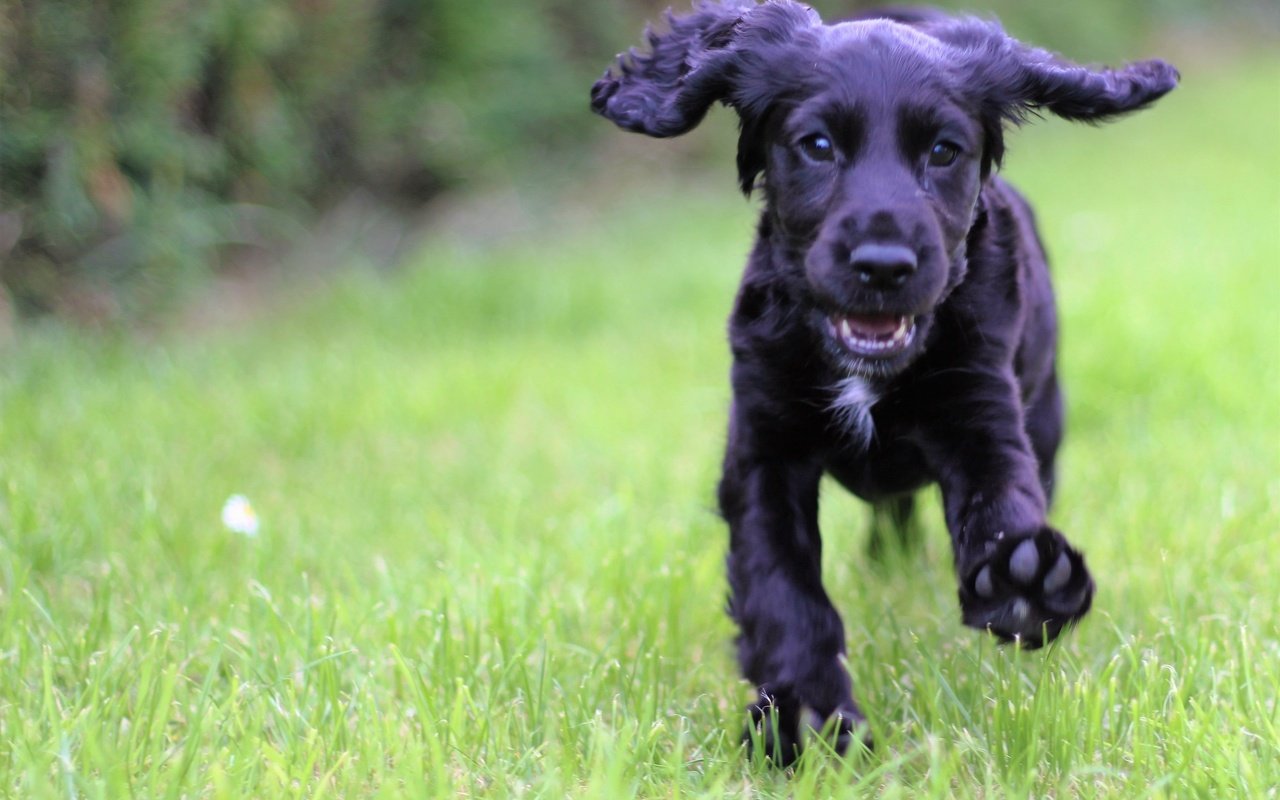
(874, 138)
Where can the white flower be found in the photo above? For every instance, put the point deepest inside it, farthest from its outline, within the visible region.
(238, 515)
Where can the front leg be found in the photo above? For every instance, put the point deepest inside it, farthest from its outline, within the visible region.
(1019, 578)
(791, 644)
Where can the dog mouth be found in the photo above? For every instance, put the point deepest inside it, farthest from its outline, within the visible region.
(873, 336)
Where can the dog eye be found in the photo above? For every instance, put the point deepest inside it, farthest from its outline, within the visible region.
(817, 147)
(943, 154)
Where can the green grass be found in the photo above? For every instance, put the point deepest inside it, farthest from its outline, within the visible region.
(488, 562)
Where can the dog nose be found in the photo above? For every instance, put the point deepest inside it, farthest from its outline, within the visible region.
(883, 266)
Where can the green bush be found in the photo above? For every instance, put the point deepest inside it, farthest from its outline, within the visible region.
(138, 138)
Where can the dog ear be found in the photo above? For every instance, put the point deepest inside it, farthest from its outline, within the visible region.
(667, 91)
(1022, 80)
(1080, 93)
(1011, 81)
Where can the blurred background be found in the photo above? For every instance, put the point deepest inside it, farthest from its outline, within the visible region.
(151, 148)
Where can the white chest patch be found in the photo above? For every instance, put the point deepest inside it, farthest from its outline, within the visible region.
(852, 407)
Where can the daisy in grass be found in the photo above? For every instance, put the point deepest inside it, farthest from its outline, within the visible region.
(238, 515)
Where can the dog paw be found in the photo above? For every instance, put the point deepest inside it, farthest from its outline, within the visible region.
(1027, 589)
(781, 727)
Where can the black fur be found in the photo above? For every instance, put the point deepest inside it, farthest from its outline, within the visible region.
(895, 324)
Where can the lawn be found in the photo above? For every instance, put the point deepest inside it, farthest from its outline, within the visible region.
(488, 563)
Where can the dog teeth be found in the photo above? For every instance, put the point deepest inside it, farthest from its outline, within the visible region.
(843, 330)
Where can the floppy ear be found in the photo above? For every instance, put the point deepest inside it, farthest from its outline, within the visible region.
(1079, 93)
(1011, 81)
(1018, 79)
(667, 91)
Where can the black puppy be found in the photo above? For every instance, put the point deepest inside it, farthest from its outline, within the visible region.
(895, 325)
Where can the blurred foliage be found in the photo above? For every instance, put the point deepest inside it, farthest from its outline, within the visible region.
(140, 140)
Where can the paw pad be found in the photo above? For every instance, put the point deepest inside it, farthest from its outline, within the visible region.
(1027, 589)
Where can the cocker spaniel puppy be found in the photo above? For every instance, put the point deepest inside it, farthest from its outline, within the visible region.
(895, 323)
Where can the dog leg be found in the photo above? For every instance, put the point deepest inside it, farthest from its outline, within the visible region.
(791, 643)
(1019, 578)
